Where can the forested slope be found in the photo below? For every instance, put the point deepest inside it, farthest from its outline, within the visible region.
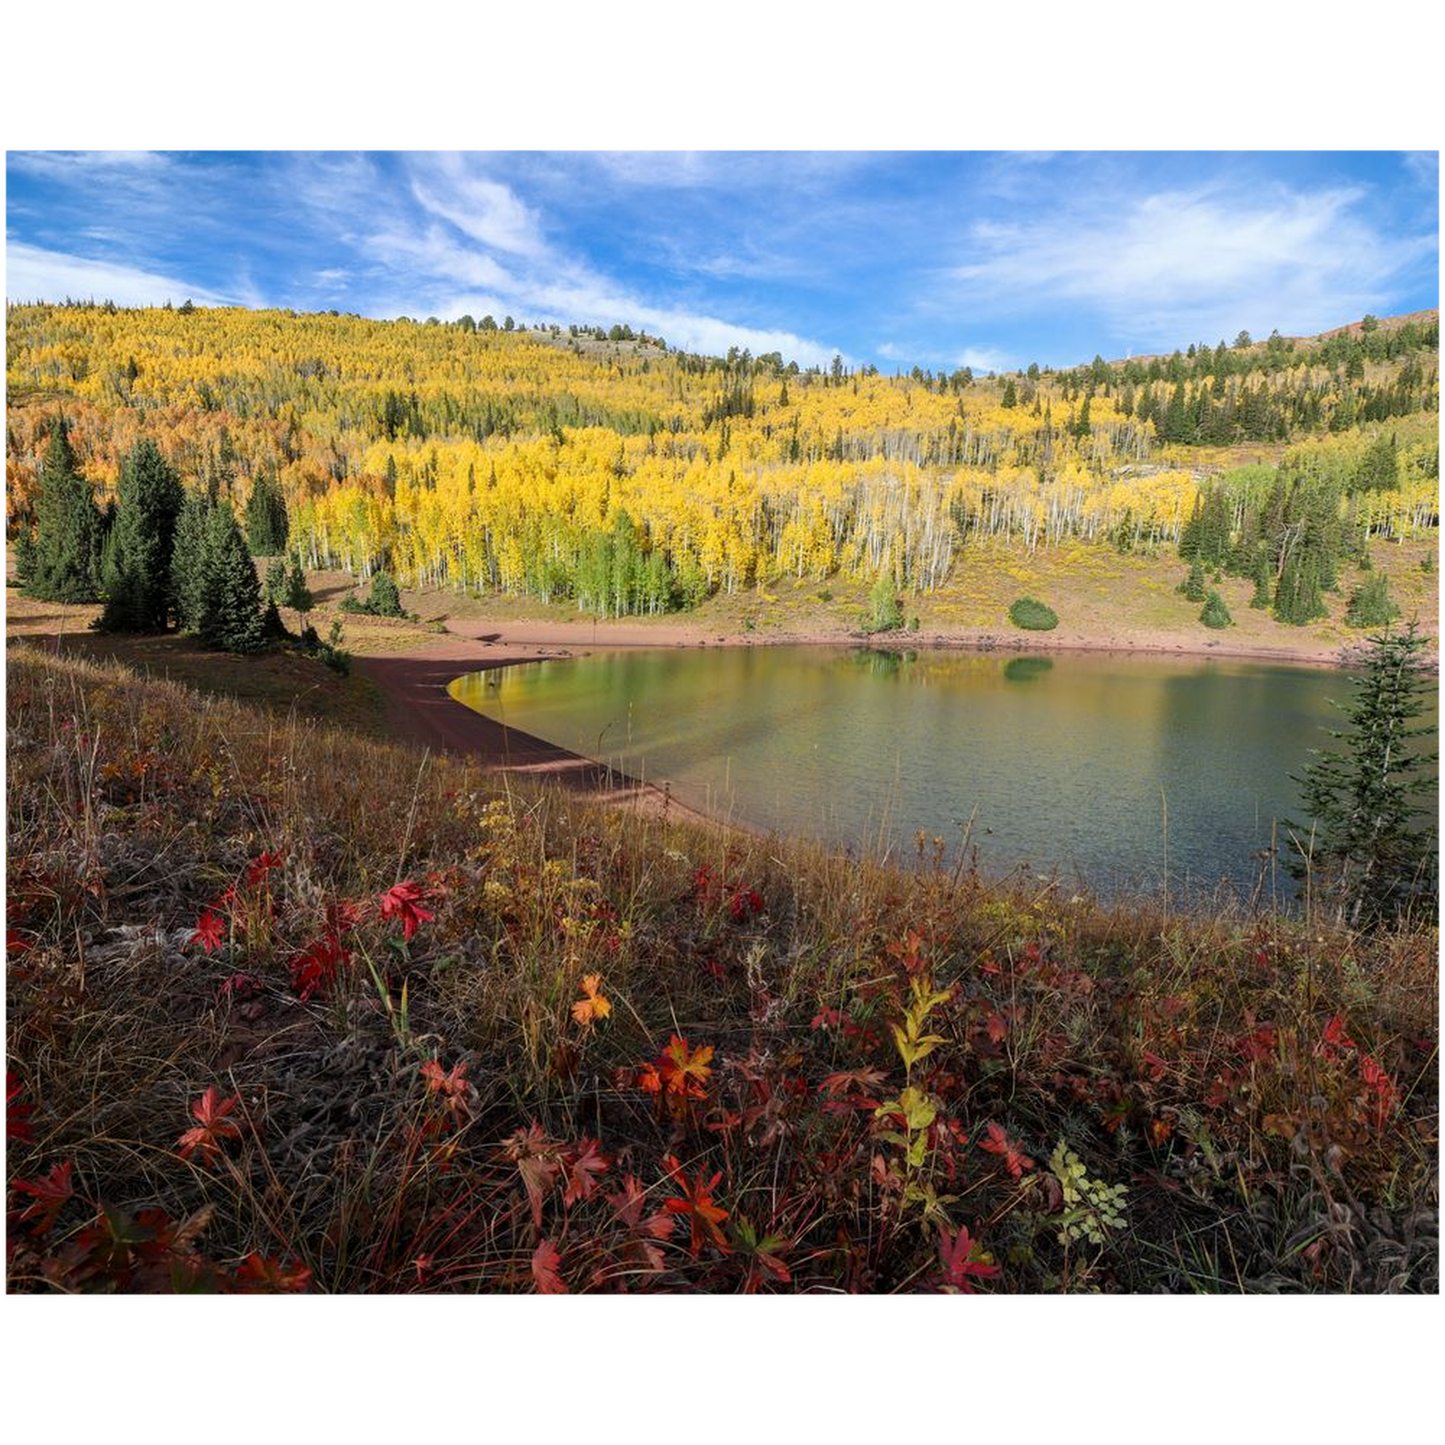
(610, 469)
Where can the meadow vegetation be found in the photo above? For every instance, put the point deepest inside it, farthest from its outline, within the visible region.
(291, 1009)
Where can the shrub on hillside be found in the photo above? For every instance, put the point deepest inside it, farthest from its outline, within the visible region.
(384, 601)
(1033, 615)
(1370, 603)
(1215, 613)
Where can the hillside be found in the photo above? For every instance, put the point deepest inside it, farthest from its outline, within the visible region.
(292, 1009)
(620, 477)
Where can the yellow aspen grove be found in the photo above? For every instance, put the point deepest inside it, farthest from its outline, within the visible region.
(536, 462)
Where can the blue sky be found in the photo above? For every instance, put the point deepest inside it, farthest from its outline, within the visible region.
(937, 259)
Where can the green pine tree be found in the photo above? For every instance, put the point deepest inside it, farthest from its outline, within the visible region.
(1193, 585)
(69, 532)
(1215, 613)
(230, 617)
(1263, 577)
(297, 595)
(188, 562)
(141, 543)
(273, 589)
(385, 600)
(1370, 603)
(1370, 848)
(267, 524)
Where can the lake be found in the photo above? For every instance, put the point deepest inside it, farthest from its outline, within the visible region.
(1060, 762)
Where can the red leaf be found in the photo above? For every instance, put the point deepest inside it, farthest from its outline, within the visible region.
(210, 1112)
(208, 931)
(582, 1169)
(50, 1193)
(17, 1115)
(998, 1142)
(545, 1263)
(404, 902)
(265, 1274)
(958, 1265)
(696, 1201)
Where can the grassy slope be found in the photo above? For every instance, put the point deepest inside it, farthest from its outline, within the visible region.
(1188, 1060)
(1100, 594)
(276, 682)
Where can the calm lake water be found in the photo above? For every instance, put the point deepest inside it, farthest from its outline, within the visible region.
(1061, 762)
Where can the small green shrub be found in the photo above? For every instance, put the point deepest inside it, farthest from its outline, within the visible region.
(887, 614)
(1033, 615)
(1215, 613)
(384, 601)
(1192, 587)
(1370, 603)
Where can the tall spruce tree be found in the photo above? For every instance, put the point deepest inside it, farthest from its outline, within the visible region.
(188, 561)
(69, 530)
(1370, 848)
(230, 612)
(267, 523)
(142, 542)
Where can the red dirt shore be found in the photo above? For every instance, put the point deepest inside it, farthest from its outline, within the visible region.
(421, 711)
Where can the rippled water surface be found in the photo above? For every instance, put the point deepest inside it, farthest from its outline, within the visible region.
(1061, 762)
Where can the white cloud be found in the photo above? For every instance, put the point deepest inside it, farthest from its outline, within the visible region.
(1194, 264)
(446, 275)
(982, 358)
(479, 207)
(35, 274)
(68, 165)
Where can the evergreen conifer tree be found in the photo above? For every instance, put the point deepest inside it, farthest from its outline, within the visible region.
(297, 595)
(188, 562)
(273, 590)
(1299, 596)
(1263, 576)
(141, 543)
(65, 566)
(267, 524)
(1370, 603)
(385, 600)
(1215, 613)
(1370, 848)
(230, 617)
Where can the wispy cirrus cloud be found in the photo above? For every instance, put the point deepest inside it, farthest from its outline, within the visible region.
(33, 273)
(932, 259)
(1200, 263)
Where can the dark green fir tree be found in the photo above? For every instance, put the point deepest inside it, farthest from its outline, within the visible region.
(69, 530)
(230, 617)
(141, 543)
(1369, 849)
